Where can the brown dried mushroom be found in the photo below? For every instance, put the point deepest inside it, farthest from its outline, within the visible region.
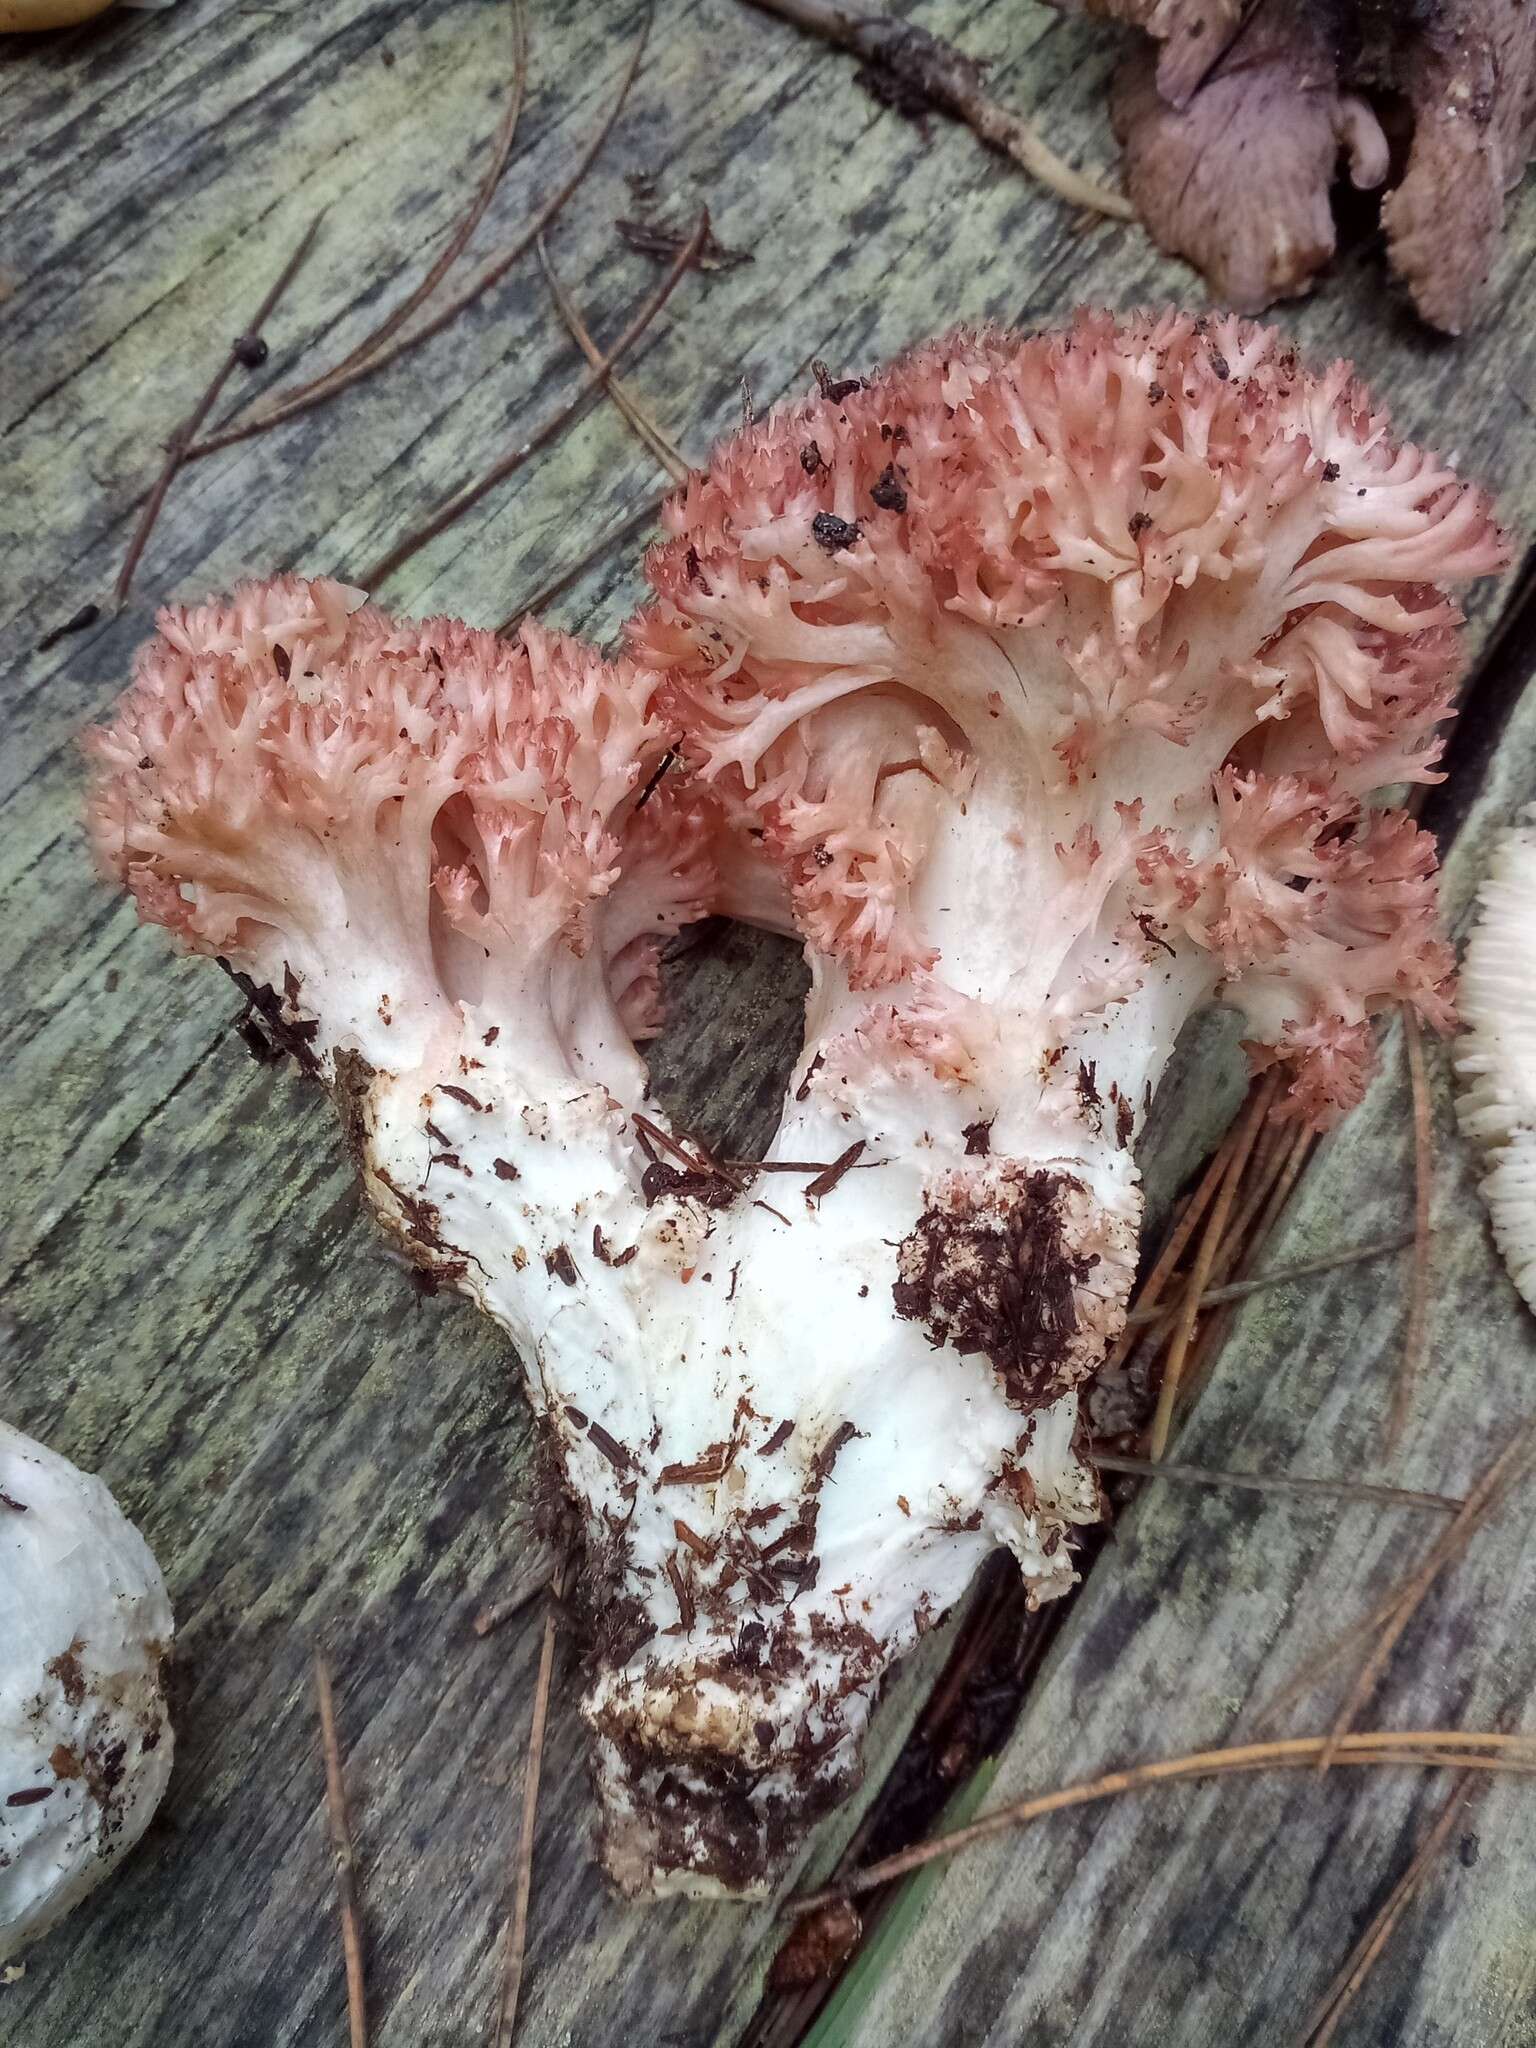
(1238, 119)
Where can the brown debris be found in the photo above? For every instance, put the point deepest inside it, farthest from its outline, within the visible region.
(654, 238)
(818, 1946)
(997, 1275)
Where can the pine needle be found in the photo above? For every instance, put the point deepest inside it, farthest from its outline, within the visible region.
(1435, 1748)
(469, 495)
(1277, 1482)
(501, 150)
(179, 447)
(1151, 1294)
(1479, 1504)
(1342, 1992)
(1306, 1269)
(517, 1928)
(663, 449)
(303, 397)
(1415, 1336)
(1178, 1351)
(346, 1859)
(646, 515)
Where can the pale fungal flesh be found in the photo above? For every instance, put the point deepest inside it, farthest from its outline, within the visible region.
(85, 1740)
(1039, 685)
(1497, 1058)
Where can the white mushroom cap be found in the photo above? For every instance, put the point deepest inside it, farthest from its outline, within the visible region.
(1497, 1060)
(85, 1740)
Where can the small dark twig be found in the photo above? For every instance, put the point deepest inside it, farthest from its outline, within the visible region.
(181, 441)
(77, 622)
(652, 239)
(346, 1859)
(1506, 1469)
(469, 495)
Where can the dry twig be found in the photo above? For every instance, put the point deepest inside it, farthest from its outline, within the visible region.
(1436, 1748)
(1411, 1365)
(178, 448)
(469, 495)
(926, 71)
(517, 1927)
(346, 1860)
(1358, 1964)
(301, 398)
(1277, 1482)
(664, 450)
(1173, 1370)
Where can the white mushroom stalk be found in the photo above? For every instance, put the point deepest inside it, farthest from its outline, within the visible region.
(85, 1740)
(1037, 770)
(1496, 1061)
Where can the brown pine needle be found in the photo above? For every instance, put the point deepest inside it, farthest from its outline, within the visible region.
(517, 1927)
(1479, 1504)
(1435, 1748)
(1151, 1294)
(1416, 1334)
(303, 397)
(178, 448)
(1239, 1290)
(346, 1859)
(1277, 1482)
(663, 449)
(453, 248)
(1362, 1958)
(1178, 1351)
(561, 582)
(469, 495)
(935, 73)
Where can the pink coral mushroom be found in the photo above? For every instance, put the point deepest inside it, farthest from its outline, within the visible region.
(1041, 684)
(1043, 662)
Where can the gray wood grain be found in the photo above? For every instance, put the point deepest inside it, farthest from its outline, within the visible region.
(192, 1302)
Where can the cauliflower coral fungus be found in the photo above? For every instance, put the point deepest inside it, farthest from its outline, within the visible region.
(1039, 683)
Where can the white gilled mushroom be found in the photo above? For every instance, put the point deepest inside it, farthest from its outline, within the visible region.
(85, 1740)
(1498, 1062)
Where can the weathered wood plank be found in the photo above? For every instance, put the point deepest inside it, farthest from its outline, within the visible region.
(193, 1304)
